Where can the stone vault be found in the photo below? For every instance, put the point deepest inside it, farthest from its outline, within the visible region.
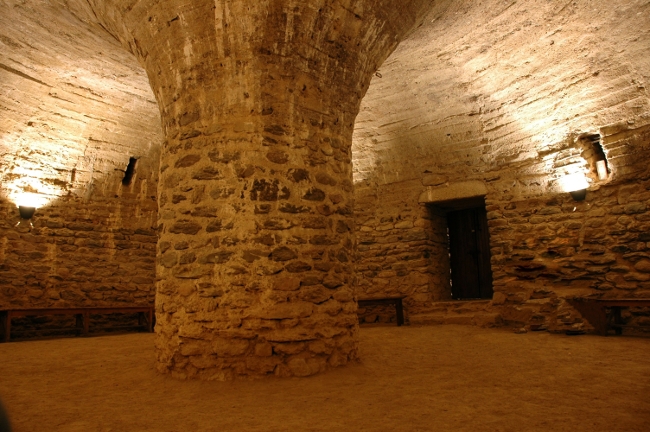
(261, 204)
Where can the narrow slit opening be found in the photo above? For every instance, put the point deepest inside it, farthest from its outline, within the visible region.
(602, 167)
(130, 172)
(594, 154)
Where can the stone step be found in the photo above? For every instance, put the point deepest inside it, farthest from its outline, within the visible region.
(425, 318)
(460, 306)
(438, 318)
(481, 319)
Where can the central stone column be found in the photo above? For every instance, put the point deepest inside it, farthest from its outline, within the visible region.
(258, 100)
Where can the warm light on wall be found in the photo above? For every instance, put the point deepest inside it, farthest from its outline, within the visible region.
(27, 190)
(574, 182)
(28, 194)
(28, 199)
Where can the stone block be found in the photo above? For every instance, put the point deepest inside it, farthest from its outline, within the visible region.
(404, 225)
(299, 309)
(286, 283)
(643, 266)
(314, 294)
(289, 348)
(488, 319)
(433, 179)
(230, 347)
(305, 367)
(427, 319)
(459, 319)
(453, 191)
(263, 349)
(262, 366)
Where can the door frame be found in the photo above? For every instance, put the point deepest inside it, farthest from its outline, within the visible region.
(469, 254)
(485, 288)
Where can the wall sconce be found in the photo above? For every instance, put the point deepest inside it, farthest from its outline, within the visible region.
(579, 195)
(576, 184)
(26, 212)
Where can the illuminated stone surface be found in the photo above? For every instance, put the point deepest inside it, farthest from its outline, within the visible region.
(74, 107)
(255, 197)
(499, 93)
(263, 187)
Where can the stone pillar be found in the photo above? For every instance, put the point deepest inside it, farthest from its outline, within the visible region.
(258, 101)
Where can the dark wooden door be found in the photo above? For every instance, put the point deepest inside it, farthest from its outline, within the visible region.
(469, 250)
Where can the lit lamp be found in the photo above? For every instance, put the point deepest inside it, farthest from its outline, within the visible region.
(26, 212)
(579, 195)
(576, 185)
(27, 203)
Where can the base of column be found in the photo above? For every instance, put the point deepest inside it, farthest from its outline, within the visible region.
(229, 359)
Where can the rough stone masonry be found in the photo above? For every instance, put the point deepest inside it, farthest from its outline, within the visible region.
(258, 101)
(504, 94)
(75, 107)
(247, 218)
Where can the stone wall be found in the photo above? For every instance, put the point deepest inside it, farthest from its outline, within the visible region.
(78, 253)
(549, 248)
(544, 249)
(506, 95)
(258, 180)
(255, 209)
(401, 250)
(76, 108)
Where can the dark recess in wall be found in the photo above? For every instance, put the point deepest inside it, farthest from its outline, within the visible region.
(130, 171)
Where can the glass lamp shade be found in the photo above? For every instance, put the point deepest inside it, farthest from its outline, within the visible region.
(26, 212)
(579, 195)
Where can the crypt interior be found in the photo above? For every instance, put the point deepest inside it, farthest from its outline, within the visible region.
(251, 169)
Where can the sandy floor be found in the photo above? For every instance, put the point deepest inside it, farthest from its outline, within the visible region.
(441, 378)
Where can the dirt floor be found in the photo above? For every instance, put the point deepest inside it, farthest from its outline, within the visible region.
(439, 378)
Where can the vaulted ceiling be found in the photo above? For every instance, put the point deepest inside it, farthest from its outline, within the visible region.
(478, 89)
(487, 89)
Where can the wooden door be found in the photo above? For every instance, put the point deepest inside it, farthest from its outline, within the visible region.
(469, 250)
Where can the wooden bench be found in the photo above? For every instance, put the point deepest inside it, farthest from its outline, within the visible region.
(605, 314)
(395, 300)
(145, 317)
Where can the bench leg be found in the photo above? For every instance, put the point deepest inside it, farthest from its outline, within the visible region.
(618, 319)
(79, 324)
(399, 309)
(151, 318)
(83, 323)
(5, 323)
(145, 321)
(595, 314)
(86, 323)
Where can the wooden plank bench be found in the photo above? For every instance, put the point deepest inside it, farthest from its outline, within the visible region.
(605, 314)
(394, 300)
(145, 317)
